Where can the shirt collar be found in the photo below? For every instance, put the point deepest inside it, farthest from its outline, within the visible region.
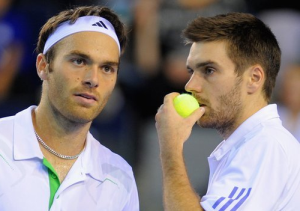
(24, 140)
(26, 146)
(266, 113)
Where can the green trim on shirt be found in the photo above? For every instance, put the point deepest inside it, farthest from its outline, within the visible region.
(53, 181)
(6, 162)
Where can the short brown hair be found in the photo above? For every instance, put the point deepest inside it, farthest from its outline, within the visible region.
(72, 15)
(249, 41)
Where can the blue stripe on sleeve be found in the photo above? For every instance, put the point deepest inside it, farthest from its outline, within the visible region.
(241, 193)
(232, 200)
(233, 192)
(241, 201)
(222, 198)
(218, 202)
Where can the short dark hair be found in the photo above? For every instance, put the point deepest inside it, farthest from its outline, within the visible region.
(249, 41)
(72, 15)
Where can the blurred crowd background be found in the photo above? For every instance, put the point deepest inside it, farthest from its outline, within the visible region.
(152, 66)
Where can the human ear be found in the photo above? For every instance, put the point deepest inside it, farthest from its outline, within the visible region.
(256, 79)
(41, 65)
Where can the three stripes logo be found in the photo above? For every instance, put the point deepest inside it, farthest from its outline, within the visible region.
(100, 24)
(235, 199)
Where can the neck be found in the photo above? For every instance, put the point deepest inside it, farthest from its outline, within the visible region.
(294, 111)
(249, 109)
(57, 132)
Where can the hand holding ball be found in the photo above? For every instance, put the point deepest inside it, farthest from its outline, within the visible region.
(185, 104)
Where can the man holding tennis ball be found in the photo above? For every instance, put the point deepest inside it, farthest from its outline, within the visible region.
(233, 61)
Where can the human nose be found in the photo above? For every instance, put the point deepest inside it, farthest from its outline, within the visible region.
(91, 78)
(194, 84)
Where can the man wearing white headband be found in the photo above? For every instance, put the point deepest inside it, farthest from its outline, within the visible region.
(48, 158)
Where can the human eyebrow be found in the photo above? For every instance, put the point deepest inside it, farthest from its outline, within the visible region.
(80, 54)
(204, 64)
(201, 64)
(109, 63)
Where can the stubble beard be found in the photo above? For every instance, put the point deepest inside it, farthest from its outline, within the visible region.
(72, 117)
(224, 117)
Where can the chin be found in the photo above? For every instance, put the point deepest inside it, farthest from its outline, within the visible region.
(82, 117)
(203, 122)
(206, 122)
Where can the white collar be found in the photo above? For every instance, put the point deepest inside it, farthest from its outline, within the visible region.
(266, 113)
(26, 146)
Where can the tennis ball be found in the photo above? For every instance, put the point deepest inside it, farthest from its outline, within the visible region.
(185, 104)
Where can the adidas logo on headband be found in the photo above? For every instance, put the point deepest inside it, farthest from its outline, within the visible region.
(99, 23)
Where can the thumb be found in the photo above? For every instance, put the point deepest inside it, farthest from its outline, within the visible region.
(197, 114)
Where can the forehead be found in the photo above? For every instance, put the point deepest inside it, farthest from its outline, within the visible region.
(215, 52)
(91, 43)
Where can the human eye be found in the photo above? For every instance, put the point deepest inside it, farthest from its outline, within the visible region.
(209, 70)
(78, 61)
(109, 69)
(190, 71)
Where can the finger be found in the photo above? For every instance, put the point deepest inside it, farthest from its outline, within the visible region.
(197, 114)
(170, 97)
(160, 107)
(158, 112)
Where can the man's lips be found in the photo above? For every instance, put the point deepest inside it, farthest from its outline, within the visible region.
(201, 102)
(87, 96)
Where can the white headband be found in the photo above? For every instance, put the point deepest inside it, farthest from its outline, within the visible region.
(84, 23)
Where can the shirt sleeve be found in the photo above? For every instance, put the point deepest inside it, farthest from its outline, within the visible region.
(249, 178)
(133, 199)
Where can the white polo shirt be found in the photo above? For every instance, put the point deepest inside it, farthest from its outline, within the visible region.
(294, 126)
(98, 180)
(256, 168)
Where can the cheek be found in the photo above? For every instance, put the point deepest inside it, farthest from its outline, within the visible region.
(106, 86)
(112, 82)
(216, 93)
(59, 83)
(111, 86)
(58, 86)
(219, 98)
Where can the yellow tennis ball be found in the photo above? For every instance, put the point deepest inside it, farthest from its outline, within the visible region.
(185, 104)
